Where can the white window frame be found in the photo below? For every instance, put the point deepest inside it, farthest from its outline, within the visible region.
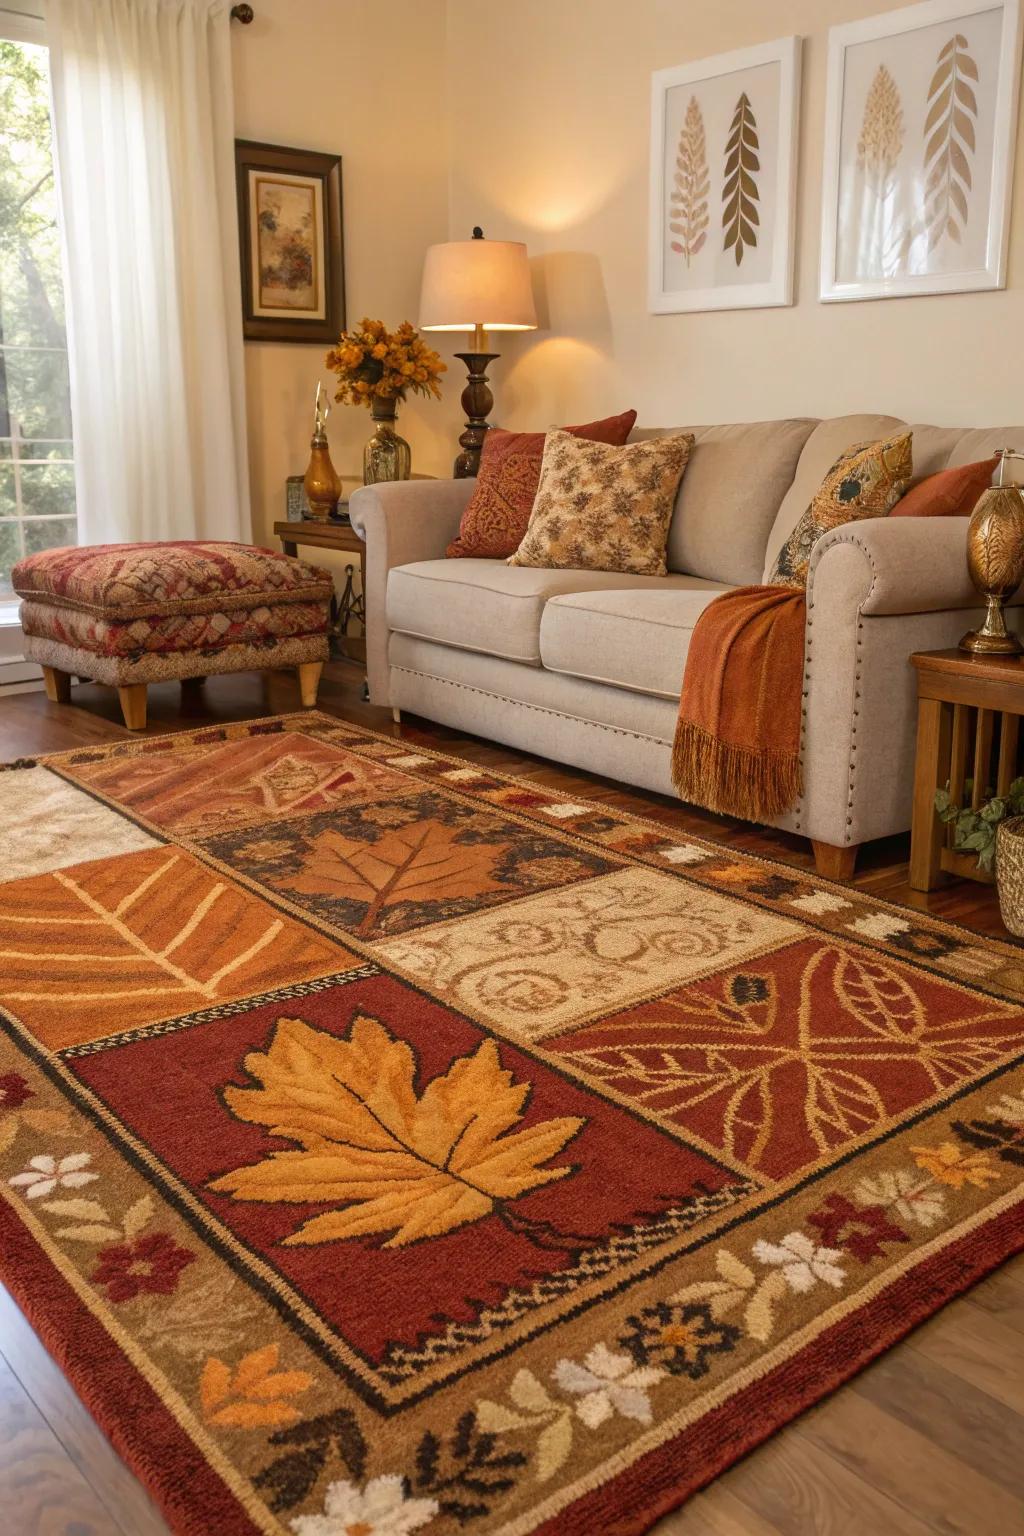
(18, 24)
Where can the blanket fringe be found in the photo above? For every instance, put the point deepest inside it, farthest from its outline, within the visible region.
(754, 784)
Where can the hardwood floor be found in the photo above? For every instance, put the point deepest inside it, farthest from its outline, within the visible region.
(928, 1439)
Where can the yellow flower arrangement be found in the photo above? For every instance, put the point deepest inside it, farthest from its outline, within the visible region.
(372, 362)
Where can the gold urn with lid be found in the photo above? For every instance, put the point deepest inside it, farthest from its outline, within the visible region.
(995, 557)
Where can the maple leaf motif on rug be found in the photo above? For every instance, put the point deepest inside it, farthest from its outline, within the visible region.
(388, 1145)
(396, 1163)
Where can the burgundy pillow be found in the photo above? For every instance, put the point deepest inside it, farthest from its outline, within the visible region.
(950, 493)
(499, 509)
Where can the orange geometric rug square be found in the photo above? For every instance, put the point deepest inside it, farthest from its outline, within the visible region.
(390, 1146)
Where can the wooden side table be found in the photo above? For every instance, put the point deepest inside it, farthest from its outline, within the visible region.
(350, 607)
(968, 725)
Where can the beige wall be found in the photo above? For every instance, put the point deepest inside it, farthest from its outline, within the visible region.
(549, 104)
(361, 79)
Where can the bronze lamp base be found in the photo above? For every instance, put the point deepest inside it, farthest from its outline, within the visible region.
(477, 402)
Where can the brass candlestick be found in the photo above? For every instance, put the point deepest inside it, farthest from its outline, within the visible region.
(995, 560)
(321, 481)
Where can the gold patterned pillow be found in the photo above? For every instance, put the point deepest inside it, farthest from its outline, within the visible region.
(865, 481)
(601, 508)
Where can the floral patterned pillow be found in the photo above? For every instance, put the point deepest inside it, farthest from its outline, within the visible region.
(865, 481)
(601, 508)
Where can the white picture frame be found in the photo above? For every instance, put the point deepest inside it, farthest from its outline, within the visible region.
(720, 258)
(909, 92)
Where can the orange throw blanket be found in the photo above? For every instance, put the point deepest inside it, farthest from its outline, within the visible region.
(737, 746)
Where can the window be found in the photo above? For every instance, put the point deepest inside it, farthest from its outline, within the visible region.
(37, 482)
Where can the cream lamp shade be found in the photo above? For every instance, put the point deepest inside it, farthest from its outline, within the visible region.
(477, 283)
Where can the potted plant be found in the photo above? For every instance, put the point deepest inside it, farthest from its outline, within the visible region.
(377, 368)
(974, 831)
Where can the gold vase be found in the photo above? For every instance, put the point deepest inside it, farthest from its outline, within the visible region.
(386, 456)
(995, 560)
(321, 481)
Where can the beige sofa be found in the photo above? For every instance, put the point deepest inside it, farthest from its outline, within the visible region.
(585, 667)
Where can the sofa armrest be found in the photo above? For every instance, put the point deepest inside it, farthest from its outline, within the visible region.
(399, 522)
(897, 565)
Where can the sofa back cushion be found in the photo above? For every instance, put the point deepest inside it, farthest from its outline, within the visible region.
(981, 442)
(729, 496)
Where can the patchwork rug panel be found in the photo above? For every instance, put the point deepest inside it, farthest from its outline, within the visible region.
(387, 1145)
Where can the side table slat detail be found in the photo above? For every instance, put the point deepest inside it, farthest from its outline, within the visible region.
(968, 731)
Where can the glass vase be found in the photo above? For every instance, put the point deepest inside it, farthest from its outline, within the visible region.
(386, 456)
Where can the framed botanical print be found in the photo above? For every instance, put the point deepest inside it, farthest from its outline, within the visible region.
(919, 138)
(723, 174)
(290, 226)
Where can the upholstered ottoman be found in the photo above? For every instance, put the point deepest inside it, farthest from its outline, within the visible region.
(132, 614)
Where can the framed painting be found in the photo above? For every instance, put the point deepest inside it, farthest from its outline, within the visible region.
(919, 138)
(723, 180)
(290, 227)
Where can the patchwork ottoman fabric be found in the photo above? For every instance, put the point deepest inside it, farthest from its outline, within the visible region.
(130, 581)
(140, 613)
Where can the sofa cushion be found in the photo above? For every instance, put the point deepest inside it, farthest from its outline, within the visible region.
(635, 639)
(604, 508)
(981, 442)
(486, 605)
(132, 581)
(730, 495)
(829, 439)
(498, 512)
(866, 480)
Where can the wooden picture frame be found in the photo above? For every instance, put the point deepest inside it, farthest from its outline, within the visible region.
(723, 180)
(920, 128)
(292, 246)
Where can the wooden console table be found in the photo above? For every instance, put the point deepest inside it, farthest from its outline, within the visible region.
(350, 606)
(968, 725)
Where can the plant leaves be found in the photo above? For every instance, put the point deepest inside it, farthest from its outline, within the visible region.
(386, 1159)
(85, 1210)
(740, 196)
(949, 135)
(90, 1233)
(688, 204)
(138, 1216)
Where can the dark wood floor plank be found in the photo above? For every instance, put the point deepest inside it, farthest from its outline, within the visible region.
(897, 1460)
(978, 1349)
(42, 1492)
(799, 1488)
(86, 1446)
(883, 1457)
(950, 1412)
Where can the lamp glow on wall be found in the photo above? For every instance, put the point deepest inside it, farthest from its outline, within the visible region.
(478, 286)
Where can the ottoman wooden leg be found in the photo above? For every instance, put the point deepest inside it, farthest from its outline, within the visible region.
(133, 706)
(58, 685)
(309, 681)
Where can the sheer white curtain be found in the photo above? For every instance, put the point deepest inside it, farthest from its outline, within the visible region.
(144, 130)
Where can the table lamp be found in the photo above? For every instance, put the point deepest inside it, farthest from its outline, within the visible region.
(476, 285)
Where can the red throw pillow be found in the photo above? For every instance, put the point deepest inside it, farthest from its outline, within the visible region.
(495, 519)
(950, 493)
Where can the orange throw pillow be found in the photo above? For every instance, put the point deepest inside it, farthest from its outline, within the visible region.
(498, 512)
(950, 493)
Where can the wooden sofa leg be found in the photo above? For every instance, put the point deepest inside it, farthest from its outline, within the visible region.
(834, 863)
(58, 685)
(133, 705)
(309, 681)
(396, 715)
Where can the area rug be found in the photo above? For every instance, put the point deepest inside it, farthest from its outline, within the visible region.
(390, 1146)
